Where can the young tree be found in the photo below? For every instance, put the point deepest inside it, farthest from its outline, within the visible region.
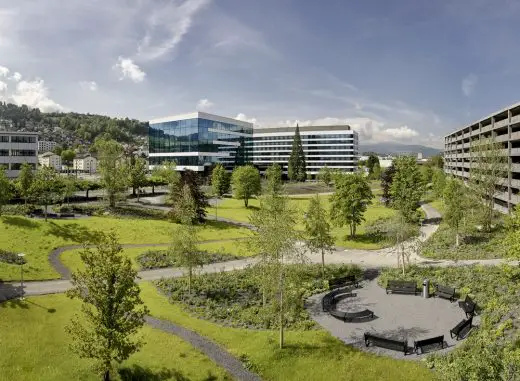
(387, 177)
(274, 238)
(137, 175)
(488, 171)
(454, 195)
(407, 187)
(5, 189)
(112, 310)
(325, 175)
(46, 189)
(25, 180)
(438, 182)
(193, 181)
(220, 180)
(350, 200)
(67, 157)
(296, 167)
(245, 182)
(69, 187)
(317, 229)
(404, 239)
(374, 169)
(274, 179)
(114, 174)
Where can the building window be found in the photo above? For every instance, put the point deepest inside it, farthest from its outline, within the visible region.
(23, 139)
(23, 152)
(4, 139)
(4, 152)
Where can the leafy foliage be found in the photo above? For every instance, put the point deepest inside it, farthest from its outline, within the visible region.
(11, 258)
(137, 174)
(296, 166)
(387, 177)
(438, 182)
(407, 187)
(46, 187)
(455, 202)
(220, 180)
(374, 169)
(318, 231)
(325, 175)
(185, 251)
(274, 179)
(114, 176)
(155, 259)
(5, 189)
(25, 180)
(245, 181)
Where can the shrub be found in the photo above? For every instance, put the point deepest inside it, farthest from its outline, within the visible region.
(11, 258)
(18, 209)
(154, 259)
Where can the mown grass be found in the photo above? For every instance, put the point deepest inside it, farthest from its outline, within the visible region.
(309, 355)
(235, 210)
(35, 346)
(71, 258)
(37, 238)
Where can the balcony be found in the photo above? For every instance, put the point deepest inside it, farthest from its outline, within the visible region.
(515, 152)
(501, 123)
(515, 119)
(515, 199)
(515, 167)
(502, 138)
(515, 135)
(486, 128)
(515, 183)
(504, 196)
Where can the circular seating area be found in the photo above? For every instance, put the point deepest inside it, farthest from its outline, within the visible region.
(330, 300)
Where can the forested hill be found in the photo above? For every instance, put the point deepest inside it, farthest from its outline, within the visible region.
(70, 129)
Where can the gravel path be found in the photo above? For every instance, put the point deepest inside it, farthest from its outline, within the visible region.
(208, 347)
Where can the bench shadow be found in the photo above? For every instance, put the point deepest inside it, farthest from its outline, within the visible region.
(139, 373)
(8, 293)
(20, 222)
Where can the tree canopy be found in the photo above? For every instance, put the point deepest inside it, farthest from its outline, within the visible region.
(407, 187)
(246, 183)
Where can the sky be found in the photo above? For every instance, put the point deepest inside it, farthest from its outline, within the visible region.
(408, 71)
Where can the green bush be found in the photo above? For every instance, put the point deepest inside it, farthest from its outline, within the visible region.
(154, 259)
(17, 209)
(11, 258)
(234, 298)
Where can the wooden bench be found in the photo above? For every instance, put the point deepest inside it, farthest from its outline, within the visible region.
(461, 327)
(401, 287)
(361, 315)
(419, 345)
(444, 292)
(468, 305)
(349, 280)
(383, 342)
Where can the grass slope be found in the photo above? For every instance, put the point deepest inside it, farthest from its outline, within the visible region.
(310, 355)
(35, 347)
(37, 238)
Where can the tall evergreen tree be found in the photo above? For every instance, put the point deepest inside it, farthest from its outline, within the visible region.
(296, 167)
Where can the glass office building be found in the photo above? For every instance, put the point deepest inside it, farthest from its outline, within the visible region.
(199, 140)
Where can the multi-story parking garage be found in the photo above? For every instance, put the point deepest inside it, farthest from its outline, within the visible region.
(504, 127)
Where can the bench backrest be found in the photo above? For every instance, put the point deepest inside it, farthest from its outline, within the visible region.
(469, 302)
(383, 341)
(401, 284)
(463, 324)
(445, 289)
(359, 314)
(432, 340)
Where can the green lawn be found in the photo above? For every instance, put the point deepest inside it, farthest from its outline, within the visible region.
(35, 347)
(437, 204)
(72, 260)
(235, 210)
(37, 238)
(309, 355)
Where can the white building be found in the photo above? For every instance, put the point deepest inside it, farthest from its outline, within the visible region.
(17, 148)
(46, 145)
(333, 146)
(85, 163)
(50, 159)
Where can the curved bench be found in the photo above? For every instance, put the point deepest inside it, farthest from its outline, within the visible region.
(328, 303)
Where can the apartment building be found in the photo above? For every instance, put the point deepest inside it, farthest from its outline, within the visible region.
(504, 127)
(46, 146)
(333, 146)
(17, 148)
(85, 163)
(50, 159)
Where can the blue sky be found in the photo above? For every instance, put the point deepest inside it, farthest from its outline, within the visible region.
(402, 70)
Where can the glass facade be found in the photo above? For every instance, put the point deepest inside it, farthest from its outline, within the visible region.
(204, 141)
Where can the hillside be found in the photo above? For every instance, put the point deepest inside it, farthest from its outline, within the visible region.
(70, 129)
(388, 148)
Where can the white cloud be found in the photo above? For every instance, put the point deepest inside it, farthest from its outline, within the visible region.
(4, 72)
(204, 104)
(166, 27)
(400, 133)
(468, 84)
(3, 86)
(16, 77)
(34, 94)
(128, 69)
(89, 85)
(244, 118)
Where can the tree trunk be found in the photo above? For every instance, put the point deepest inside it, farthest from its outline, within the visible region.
(246, 201)
(322, 264)
(86, 194)
(457, 239)
(106, 375)
(281, 308)
(133, 191)
(189, 281)
(45, 212)
(153, 189)
(138, 193)
(402, 259)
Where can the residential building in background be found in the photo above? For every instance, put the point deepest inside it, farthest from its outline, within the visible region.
(85, 163)
(199, 140)
(46, 146)
(504, 127)
(50, 159)
(333, 146)
(17, 148)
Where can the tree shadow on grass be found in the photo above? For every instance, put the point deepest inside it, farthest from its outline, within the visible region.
(8, 293)
(138, 373)
(24, 304)
(20, 222)
(73, 232)
(221, 225)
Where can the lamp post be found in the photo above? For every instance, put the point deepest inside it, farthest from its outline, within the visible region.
(21, 255)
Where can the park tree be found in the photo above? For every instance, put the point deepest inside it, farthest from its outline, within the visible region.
(137, 175)
(274, 240)
(112, 311)
(373, 166)
(325, 175)
(25, 180)
(488, 171)
(193, 181)
(69, 188)
(350, 200)
(67, 157)
(87, 186)
(407, 188)
(387, 177)
(436, 161)
(454, 202)
(296, 167)
(404, 238)
(220, 180)
(46, 189)
(245, 182)
(5, 189)
(274, 179)
(438, 182)
(114, 174)
(318, 231)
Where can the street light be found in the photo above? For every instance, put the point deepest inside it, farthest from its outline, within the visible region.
(21, 255)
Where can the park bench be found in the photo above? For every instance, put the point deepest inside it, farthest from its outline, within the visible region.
(421, 345)
(401, 287)
(468, 305)
(327, 302)
(349, 280)
(383, 342)
(444, 292)
(459, 329)
(66, 215)
(361, 315)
